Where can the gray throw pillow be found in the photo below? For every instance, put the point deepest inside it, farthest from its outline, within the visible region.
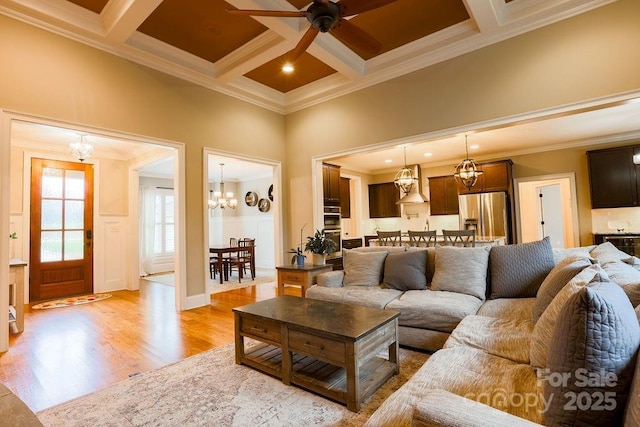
(625, 275)
(406, 270)
(363, 268)
(592, 358)
(518, 270)
(461, 270)
(559, 276)
(606, 252)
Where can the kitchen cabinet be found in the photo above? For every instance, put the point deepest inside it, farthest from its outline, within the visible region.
(383, 200)
(331, 184)
(443, 195)
(496, 176)
(613, 177)
(345, 198)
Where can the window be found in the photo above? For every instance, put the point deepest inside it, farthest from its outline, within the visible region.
(164, 241)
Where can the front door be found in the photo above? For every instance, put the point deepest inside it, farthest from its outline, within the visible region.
(61, 259)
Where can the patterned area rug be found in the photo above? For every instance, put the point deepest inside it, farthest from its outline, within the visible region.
(67, 302)
(209, 389)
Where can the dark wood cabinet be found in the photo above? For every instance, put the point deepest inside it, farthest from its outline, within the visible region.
(496, 176)
(443, 195)
(613, 177)
(383, 200)
(331, 184)
(345, 198)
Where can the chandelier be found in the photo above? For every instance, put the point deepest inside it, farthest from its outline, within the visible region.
(468, 171)
(220, 198)
(404, 179)
(81, 149)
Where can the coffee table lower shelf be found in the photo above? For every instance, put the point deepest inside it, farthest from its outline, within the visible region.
(317, 376)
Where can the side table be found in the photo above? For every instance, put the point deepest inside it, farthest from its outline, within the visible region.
(303, 276)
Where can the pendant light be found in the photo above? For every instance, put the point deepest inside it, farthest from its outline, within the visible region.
(81, 149)
(220, 199)
(404, 179)
(468, 171)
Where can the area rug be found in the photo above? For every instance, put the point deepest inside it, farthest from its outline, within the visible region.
(209, 389)
(68, 302)
(262, 276)
(168, 279)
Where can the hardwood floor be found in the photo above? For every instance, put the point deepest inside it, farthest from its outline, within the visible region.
(68, 352)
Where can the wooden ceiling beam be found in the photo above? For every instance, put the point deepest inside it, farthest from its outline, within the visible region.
(121, 18)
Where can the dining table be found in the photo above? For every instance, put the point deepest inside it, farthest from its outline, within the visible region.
(220, 251)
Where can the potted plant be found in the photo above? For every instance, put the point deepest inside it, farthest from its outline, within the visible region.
(298, 257)
(320, 245)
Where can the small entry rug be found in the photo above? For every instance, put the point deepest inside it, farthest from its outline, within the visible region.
(67, 302)
(209, 389)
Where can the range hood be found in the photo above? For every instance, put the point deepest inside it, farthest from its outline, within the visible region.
(414, 195)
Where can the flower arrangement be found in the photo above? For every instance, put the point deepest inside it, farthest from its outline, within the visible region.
(319, 243)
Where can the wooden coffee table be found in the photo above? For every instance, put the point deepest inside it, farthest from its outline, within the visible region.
(329, 348)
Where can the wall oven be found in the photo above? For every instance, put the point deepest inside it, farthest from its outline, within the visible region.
(331, 222)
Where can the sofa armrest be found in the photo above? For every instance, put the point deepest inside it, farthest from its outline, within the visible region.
(331, 279)
(442, 408)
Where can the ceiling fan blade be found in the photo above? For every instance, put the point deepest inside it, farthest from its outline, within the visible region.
(354, 7)
(353, 35)
(277, 13)
(303, 44)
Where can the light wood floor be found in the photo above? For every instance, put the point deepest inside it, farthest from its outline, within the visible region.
(68, 352)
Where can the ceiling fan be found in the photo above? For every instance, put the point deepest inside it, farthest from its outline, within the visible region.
(328, 16)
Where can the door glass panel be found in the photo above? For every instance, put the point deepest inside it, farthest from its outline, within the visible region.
(51, 246)
(74, 185)
(52, 183)
(73, 245)
(51, 214)
(73, 214)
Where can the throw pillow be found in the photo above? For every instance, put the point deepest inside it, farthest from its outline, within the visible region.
(461, 270)
(518, 270)
(606, 252)
(363, 268)
(543, 329)
(623, 274)
(592, 358)
(331, 279)
(406, 270)
(559, 276)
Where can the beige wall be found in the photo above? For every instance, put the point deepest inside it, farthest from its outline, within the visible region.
(590, 56)
(50, 76)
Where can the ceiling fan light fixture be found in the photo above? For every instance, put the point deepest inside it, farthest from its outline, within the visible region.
(467, 170)
(323, 16)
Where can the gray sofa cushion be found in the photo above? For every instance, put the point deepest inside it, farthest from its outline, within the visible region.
(598, 332)
(331, 279)
(564, 271)
(606, 252)
(406, 270)
(543, 330)
(518, 270)
(370, 296)
(462, 270)
(436, 310)
(625, 275)
(561, 253)
(508, 308)
(363, 268)
(632, 413)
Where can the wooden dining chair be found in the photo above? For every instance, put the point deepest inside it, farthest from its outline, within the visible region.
(422, 238)
(389, 238)
(466, 238)
(243, 259)
(213, 261)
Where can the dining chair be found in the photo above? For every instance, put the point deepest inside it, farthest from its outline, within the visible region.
(245, 257)
(422, 238)
(466, 238)
(213, 261)
(389, 238)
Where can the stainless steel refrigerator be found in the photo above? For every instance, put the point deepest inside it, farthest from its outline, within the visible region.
(486, 213)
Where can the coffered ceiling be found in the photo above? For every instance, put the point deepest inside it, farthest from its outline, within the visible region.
(200, 41)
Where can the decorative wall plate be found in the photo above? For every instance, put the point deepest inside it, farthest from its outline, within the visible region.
(270, 193)
(264, 205)
(251, 198)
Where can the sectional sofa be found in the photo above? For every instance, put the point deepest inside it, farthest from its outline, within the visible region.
(521, 334)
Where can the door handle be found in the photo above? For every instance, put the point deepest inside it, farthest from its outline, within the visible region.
(89, 234)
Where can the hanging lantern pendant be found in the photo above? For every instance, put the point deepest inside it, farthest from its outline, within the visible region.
(468, 171)
(404, 179)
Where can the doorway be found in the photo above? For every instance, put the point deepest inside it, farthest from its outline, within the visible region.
(547, 207)
(61, 204)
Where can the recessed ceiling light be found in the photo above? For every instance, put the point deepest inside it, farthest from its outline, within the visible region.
(474, 146)
(388, 161)
(288, 68)
(428, 154)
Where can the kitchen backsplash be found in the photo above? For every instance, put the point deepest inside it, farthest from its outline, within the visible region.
(611, 220)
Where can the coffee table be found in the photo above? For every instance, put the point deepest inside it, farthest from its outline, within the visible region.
(329, 348)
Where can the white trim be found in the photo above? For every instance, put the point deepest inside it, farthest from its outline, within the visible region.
(5, 153)
(276, 205)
